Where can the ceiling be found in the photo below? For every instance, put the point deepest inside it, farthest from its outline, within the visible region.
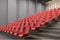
(41, 1)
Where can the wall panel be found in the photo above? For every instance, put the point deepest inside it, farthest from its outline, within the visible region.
(30, 8)
(11, 10)
(22, 9)
(40, 7)
(3, 12)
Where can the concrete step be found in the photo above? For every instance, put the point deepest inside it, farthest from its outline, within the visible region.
(47, 35)
(40, 38)
(56, 28)
(51, 36)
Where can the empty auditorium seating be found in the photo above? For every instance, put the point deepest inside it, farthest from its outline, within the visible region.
(24, 26)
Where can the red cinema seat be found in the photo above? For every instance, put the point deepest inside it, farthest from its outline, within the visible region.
(13, 26)
(24, 26)
(42, 19)
(9, 27)
(27, 27)
(0, 28)
(58, 11)
(52, 15)
(17, 27)
(31, 22)
(3, 28)
(21, 30)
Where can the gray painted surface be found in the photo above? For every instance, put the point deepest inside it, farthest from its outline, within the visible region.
(40, 7)
(31, 8)
(3, 12)
(28, 7)
(11, 10)
(17, 9)
(22, 9)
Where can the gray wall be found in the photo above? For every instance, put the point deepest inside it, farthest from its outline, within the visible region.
(17, 9)
(11, 10)
(27, 7)
(40, 7)
(22, 9)
(3, 12)
(30, 8)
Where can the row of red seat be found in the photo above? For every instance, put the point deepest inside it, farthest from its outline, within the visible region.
(24, 26)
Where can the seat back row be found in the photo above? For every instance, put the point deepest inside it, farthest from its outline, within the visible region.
(24, 26)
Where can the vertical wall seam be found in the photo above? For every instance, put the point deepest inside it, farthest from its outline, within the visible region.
(27, 7)
(7, 11)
